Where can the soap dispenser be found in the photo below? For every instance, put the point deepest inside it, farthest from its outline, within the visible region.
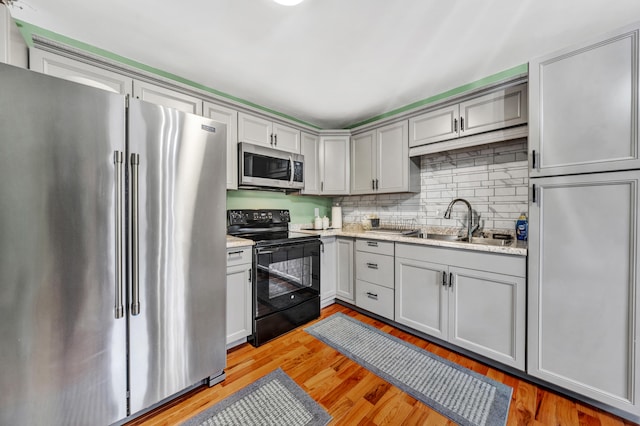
(522, 227)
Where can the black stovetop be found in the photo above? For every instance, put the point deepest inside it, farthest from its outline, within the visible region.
(265, 227)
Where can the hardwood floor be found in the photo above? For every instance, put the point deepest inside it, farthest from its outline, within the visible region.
(353, 395)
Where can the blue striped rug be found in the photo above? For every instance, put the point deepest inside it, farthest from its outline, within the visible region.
(462, 395)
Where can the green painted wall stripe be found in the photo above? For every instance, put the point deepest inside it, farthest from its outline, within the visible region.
(28, 30)
(503, 75)
(301, 207)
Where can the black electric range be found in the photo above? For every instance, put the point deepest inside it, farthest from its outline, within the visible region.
(286, 271)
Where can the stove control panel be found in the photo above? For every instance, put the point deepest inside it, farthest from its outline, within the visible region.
(247, 217)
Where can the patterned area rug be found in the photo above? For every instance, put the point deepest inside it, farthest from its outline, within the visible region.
(275, 399)
(462, 395)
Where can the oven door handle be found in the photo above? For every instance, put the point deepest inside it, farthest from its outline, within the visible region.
(264, 251)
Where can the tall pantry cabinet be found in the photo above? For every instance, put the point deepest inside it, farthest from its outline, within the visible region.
(584, 309)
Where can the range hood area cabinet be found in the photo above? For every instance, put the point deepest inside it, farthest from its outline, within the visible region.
(264, 132)
(499, 109)
(380, 161)
(326, 164)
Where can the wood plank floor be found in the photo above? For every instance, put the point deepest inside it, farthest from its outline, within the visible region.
(354, 396)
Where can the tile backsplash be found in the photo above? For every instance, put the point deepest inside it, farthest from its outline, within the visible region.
(493, 178)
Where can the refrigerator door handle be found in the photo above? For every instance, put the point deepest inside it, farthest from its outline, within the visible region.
(117, 160)
(135, 244)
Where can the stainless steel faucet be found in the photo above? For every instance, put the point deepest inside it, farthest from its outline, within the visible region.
(470, 227)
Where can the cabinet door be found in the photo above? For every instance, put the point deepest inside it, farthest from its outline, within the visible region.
(69, 69)
(487, 314)
(334, 165)
(434, 126)
(345, 279)
(255, 130)
(229, 117)
(496, 110)
(584, 107)
(239, 324)
(421, 296)
(286, 138)
(328, 271)
(392, 158)
(166, 97)
(363, 163)
(583, 286)
(310, 148)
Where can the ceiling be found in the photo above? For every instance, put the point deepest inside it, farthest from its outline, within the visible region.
(330, 63)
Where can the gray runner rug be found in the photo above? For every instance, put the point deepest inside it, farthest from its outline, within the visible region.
(274, 400)
(462, 395)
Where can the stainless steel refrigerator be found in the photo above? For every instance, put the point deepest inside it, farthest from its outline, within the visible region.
(112, 245)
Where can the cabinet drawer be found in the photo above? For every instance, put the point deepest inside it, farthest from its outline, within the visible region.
(375, 246)
(238, 256)
(375, 298)
(375, 268)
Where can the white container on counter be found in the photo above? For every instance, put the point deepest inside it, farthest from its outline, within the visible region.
(336, 217)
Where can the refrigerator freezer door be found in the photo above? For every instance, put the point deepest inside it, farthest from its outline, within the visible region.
(63, 353)
(178, 337)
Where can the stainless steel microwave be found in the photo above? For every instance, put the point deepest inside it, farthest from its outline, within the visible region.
(261, 166)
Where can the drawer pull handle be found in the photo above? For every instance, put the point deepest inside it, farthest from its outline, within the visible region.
(372, 265)
(372, 296)
(372, 244)
(231, 253)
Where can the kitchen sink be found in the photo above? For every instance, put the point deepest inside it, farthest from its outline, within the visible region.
(491, 241)
(487, 241)
(445, 237)
(399, 232)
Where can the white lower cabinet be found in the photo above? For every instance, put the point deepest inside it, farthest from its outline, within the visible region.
(374, 277)
(239, 318)
(328, 271)
(345, 285)
(474, 300)
(584, 299)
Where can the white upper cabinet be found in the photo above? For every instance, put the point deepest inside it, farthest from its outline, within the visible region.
(309, 148)
(326, 164)
(501, 108)
(334, 165)
(363, 163)
(584, 107)
(166, 97)
(79, 72)
(229, 117)
(264, 132)
(380, 161)
(13, 49)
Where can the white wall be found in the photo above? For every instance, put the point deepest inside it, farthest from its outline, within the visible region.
(493, 178)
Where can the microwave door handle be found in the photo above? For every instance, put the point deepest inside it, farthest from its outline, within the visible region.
(291, 170)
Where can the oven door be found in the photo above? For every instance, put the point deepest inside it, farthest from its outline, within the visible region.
(286, 275)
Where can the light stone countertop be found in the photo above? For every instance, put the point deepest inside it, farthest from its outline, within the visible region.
(519, 248)
(233, 242)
